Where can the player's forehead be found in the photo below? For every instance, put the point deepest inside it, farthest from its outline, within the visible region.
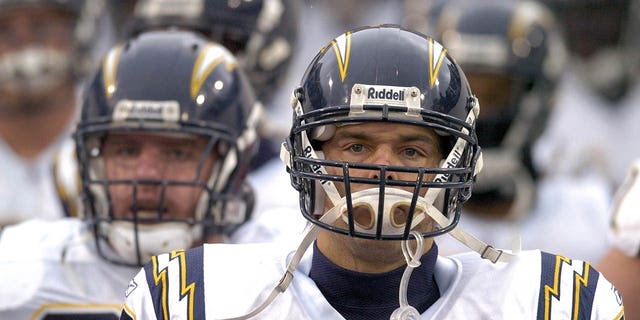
(148, 137)
(387, 132)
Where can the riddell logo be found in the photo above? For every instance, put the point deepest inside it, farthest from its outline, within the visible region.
(386, 93)
(126, 110)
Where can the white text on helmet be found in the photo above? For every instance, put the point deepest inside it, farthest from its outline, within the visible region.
(452, 163)
(167, 111)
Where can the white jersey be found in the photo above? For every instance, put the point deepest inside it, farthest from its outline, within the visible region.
(570, 217)
(219, 281)
(588, 134)
(272, 186)
(50, 269)
(625, 224)
(271, 225)
(277, 208)
(27, 188)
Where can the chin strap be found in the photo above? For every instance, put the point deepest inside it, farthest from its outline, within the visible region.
(310, 236)
(485, 250)
(406, 311)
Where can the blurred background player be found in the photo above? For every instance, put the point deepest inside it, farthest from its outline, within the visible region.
(45, 49)
(600, 89)
(621, 263)
(263, 35)
(164, 142)
(513, 55)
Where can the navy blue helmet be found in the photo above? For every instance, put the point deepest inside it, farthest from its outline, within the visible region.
(176, 84)
(513, 55)
(383, 74)
(261, 33)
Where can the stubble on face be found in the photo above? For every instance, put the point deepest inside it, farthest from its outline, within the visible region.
(385, 144)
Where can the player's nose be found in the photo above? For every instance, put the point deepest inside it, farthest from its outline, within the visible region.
(149, 165)
(383, 156)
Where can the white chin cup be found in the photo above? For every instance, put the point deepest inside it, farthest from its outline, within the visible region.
(153, 239)
(366, 201)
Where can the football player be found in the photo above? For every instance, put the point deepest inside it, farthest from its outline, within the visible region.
(513, 55)
(46, 47)
(164, 139)
(262, 34)
(600, 88)
(383, 152)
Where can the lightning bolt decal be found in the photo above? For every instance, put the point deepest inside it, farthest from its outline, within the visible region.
(572, 294)
(436, 55)
(342, 48)
(160, 280)
(110, 70)
(209, 58)
(554, 290)
(161, 265)
(580, 281)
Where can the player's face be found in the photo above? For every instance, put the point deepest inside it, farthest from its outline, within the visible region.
(494, 91)
(387, 145)
(152, 159)
(26, 33)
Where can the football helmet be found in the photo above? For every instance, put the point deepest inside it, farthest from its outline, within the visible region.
(36, 67)
(513, 55)
(408, 78)
(602, 36)
(261, 33)
(176, 84)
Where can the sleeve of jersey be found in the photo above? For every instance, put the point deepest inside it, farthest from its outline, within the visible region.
(625, 219)
(169, 286)
(573, 289)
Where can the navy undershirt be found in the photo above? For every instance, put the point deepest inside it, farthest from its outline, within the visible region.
(357, 295)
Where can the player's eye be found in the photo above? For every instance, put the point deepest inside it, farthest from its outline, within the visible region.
(126, 150)
(176, 154)
(356, 147)
(181, 153)
(410, 152)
